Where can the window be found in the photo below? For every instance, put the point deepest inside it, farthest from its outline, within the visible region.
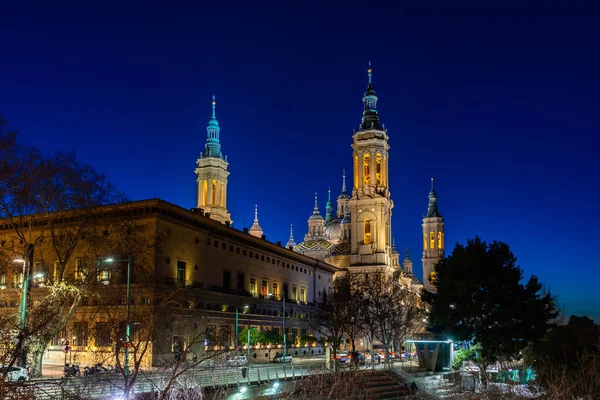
(208, 241)
(303, 294)
(262, 258)
(367, 238)
(214, 192)
(216, 243)
(237, 250)
(145, 301)
(264, 288)
(251, 255)
(181, 267)
(204, 192)
(432, 240)
(56, 272)
(244, 252)
(60, 338)
(424, 241)
(80, 334)
(253, 288)
(241, 278)
(276, 290)
(78, 270)
(294, 293)
(366, 169)
(222, 196)
(227, 280)
(440, 240)
(378, 169)
(356, 171)
(285, 290)
(231, 248)
(3, 279)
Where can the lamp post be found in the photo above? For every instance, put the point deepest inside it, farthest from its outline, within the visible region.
(237, 324)
(26, 268)
(284, 334)
(127, 324)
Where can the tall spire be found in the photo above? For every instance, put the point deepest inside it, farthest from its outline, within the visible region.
(432, 209)
(370, 118)
(329, 208)
(344, 180)
(255, 229)
(316, 209)
(213, 145)
(407, 264)
(291, 242)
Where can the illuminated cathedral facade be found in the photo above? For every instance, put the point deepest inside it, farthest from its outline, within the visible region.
(355, 234)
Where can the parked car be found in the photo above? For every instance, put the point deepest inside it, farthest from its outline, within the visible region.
(341, 356)
(238, 361)
(14, 374)
(279, 358)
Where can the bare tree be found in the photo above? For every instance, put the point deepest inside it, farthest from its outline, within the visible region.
(330, 318)
(390, 311)
(47, 201)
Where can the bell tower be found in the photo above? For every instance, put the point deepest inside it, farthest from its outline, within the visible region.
(212, 174)
(433, 240)
(371, 204)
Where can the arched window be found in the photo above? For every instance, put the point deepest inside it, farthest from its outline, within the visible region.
(222, 195)
(378, 174)
(356, 171)
(424, 241)
(204, 192)
(367, 169)
(432, 240)
(440, 241)
(367, 238)
(432, 277)
(214, 193)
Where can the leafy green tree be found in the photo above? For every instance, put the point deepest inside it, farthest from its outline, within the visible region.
(255, 337)
(270, 337)
(479, 296)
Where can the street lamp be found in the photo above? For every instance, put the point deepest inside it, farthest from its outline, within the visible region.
(237, 325)
(127, 324)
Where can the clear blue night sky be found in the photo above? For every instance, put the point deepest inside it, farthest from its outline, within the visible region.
(500, 104)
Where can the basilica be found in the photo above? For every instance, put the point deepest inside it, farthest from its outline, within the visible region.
(355, 235)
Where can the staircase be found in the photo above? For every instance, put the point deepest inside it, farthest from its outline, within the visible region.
(382, 385)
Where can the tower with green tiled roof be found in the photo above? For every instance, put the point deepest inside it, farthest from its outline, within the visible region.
(212, 174)
(371, 204)
(433, 239)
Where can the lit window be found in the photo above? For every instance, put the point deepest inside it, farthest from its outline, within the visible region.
(78, 270)
(264, 288)
(303, 294)
(204, 192)
(294, 293)
(214, 192)
(222, 195)
(276, 290)
(356, 171)
(432, 240)
(378, 169)
(432, 277)
(367, 238)
(366, 169)
(440, 241)
(253, 288)
(424, 241)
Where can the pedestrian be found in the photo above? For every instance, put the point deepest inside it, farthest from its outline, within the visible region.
(244, 372)
(413, 388)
